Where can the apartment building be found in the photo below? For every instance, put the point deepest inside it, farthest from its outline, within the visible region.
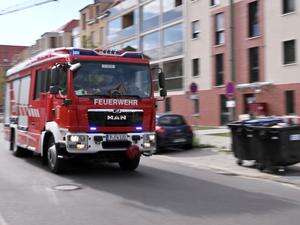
(65, 36)
(92, 23)
(205, 46)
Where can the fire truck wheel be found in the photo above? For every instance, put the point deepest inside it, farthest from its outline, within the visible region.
(129, 164)
(54, 163)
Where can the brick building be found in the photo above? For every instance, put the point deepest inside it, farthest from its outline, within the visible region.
(92, 23)
(9, 55)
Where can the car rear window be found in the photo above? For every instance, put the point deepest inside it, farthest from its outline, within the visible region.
(171, 121)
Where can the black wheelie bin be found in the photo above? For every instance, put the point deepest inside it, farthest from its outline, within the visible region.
(277, 146)
(245, 144)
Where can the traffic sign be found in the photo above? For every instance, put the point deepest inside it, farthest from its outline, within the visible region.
(193, 87)
(230, 89)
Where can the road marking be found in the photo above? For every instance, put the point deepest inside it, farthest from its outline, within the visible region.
(2, 220)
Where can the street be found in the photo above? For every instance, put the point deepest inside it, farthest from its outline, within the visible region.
(159, 192)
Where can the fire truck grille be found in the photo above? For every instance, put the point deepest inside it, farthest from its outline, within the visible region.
(112, 119)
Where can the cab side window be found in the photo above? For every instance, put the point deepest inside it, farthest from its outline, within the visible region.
(62, 81)
(42, 83)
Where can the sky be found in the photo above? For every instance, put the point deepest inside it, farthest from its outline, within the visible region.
(25, 27)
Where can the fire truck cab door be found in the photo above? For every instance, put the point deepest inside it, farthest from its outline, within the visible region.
(37, 107)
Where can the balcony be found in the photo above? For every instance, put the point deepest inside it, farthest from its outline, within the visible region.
(122, 34)
(121, 7)
(153, 54)
(172, 15)
(150, 23)
(173, 50)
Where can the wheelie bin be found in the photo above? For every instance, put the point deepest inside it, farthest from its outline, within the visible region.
(277, 146)
(246, 143)
(242, 142)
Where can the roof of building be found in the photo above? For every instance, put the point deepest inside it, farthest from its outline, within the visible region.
(9, 52)
(69, 26)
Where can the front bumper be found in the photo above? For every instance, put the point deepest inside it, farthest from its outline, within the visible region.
(95, 146)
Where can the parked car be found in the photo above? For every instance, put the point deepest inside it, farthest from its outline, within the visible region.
(173, 131)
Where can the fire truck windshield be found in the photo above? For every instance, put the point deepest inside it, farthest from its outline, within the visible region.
(112, 79)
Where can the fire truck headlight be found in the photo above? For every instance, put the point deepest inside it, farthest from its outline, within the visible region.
(149, 140)
(77, 141)
(152, 137)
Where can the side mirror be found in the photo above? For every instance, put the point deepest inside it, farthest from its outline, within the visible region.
(162, 84)
(161, 80)
(75, 67)
(54, 90)
(163, 93)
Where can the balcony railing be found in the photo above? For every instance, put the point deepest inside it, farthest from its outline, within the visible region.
(122, 34)
(150, 23)
(172, 15)
(121, 7)
(173, 49)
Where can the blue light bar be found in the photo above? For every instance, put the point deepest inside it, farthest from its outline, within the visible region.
(83, 52)
(93, 128)
(138, 128)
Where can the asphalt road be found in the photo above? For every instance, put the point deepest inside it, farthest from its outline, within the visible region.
(158, 193)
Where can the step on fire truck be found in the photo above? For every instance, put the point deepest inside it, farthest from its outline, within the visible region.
(67, 102)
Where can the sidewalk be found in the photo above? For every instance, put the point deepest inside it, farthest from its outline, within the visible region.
(207, 137)
(225, 163)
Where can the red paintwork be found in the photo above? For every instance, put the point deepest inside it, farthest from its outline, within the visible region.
(74, 116)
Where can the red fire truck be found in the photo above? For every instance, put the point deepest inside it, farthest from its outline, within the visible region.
(68, 102)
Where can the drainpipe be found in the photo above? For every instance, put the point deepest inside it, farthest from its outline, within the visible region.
(232, 44)
(232, 56)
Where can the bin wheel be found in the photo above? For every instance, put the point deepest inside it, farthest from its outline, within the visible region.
(261, 166)
(239, 162)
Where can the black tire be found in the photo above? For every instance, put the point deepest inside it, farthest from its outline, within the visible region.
(55, 164)
(239, 162)
(261, 166)
(129, 164)
(188, 146)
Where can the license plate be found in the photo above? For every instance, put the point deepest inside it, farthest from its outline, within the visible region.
(116, 137)
(179, 140)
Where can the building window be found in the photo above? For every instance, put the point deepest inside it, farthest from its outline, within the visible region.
(172, 10)
(174, 72)
(219, 29)
(173, 34)
(150, 15)
(128, 20)
(131, 45)
(168, 105)
(101, 36)
(83, 20)
(219, 67)
(290, 102)
(53, 42)
(196, 106)
(288, 6)
(214, 2)
(196, 67)
(98, 12)
(254, 64)
(172, 41)
(195, 29)
(171, 4)
(151, 43)
(253, 19)
(289, 52)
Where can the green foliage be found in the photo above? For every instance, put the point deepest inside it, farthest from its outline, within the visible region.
(2, 81)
